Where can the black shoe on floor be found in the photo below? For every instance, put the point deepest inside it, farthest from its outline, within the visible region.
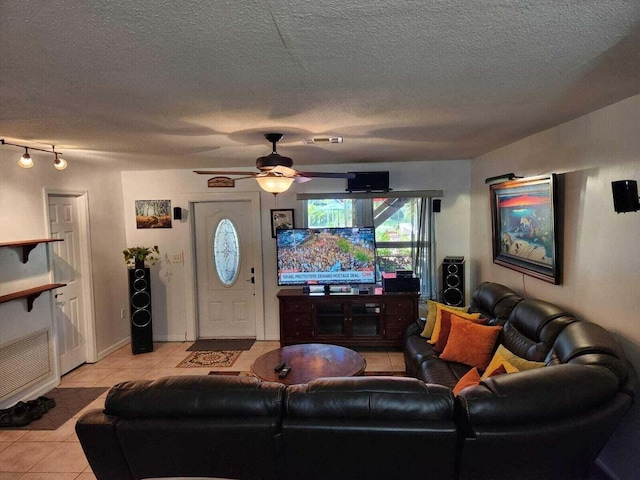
(16, 416)
(46, 403)
(34, 409)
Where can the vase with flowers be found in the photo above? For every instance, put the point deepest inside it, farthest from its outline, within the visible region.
(136, 257)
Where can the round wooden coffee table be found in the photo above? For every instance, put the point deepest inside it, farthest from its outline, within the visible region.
(309, 361)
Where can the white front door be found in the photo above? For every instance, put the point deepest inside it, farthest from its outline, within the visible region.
(67, 268)
(225, 271)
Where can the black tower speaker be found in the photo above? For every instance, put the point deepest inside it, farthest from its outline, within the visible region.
(140, 303)
(453, 281)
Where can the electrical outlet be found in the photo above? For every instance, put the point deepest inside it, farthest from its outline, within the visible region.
(123, 312)
(176, 258)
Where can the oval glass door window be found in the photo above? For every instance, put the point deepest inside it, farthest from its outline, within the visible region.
(226, 252)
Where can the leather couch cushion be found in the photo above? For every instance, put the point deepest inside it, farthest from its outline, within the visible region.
(192, 396)
(434, 370)
(494, 301)
(590, 344)
(369, 397)
(532, 328)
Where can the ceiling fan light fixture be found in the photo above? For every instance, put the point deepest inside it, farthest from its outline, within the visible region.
(274, 184)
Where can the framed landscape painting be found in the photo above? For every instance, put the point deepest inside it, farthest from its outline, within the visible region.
(525, 226)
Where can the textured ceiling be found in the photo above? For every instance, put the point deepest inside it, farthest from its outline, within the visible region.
(165, 84)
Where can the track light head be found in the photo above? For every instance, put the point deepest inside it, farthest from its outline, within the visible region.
(59, 163)
(25, 160)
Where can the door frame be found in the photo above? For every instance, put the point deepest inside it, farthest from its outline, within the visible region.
(88, 311)
(188, 246)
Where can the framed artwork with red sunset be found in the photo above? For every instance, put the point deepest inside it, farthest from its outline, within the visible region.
(524, 214)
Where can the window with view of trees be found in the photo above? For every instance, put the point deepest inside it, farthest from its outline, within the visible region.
(401, 225)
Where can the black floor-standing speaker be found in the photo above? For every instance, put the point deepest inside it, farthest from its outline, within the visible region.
(453, 281)
(140, 303)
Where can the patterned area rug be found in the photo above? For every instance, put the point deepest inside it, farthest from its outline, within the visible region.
(69, 401)
(208, 358)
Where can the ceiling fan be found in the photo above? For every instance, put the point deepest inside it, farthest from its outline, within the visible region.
(276, 173)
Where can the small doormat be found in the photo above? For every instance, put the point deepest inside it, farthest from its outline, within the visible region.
(218, 358)
(69, 401)
(211, 344)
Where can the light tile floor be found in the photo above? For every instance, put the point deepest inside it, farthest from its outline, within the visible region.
(57, 454)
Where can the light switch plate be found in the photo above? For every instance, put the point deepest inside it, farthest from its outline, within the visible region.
(176, 258)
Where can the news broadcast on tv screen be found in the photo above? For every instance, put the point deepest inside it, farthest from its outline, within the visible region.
(326, 256)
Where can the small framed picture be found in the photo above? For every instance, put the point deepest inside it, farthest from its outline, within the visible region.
(281, 220)
(153, 213)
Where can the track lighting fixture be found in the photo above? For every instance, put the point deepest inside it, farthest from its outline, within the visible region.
(26, 161)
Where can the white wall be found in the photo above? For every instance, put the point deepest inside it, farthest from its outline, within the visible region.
(601, 248)
(23, 217)
(169, 315)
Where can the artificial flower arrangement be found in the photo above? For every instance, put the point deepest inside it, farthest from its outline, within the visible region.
(137, 256)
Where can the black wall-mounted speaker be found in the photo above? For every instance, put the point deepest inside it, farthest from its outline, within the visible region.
(625, 196)
(177, 213)
(140, 304)
(436, 205)
(368, 182)
(453, 281)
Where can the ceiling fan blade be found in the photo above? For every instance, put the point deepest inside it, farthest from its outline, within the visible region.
(301, 179)
(212, 172)
(327, 175)
(285, 171)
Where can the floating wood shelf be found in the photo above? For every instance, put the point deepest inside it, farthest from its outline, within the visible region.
(30, 294)
(28, 245)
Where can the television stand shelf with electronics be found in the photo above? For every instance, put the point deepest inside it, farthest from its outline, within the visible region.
(375, 319)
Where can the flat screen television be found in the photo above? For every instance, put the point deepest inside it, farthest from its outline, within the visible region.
(326, 256)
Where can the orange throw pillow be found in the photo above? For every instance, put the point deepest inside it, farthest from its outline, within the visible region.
(445, 328)
(469, 379)
(438, 323)
(473, 378)
(470, 344)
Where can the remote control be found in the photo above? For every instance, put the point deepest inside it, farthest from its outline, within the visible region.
(279, 367)
(284, 372)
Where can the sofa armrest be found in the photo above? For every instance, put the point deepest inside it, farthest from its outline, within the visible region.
(415, 328)
(97, 434)
(542, 394)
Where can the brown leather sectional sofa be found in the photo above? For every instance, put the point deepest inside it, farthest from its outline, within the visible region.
(546, 423)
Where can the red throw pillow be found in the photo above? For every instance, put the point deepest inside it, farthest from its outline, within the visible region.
(470, 344)
(469, 379)
(445, 328)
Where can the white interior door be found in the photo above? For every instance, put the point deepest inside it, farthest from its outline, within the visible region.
(67, 268)
(225, 270)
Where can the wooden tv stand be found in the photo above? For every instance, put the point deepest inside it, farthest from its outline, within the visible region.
(348, 320)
